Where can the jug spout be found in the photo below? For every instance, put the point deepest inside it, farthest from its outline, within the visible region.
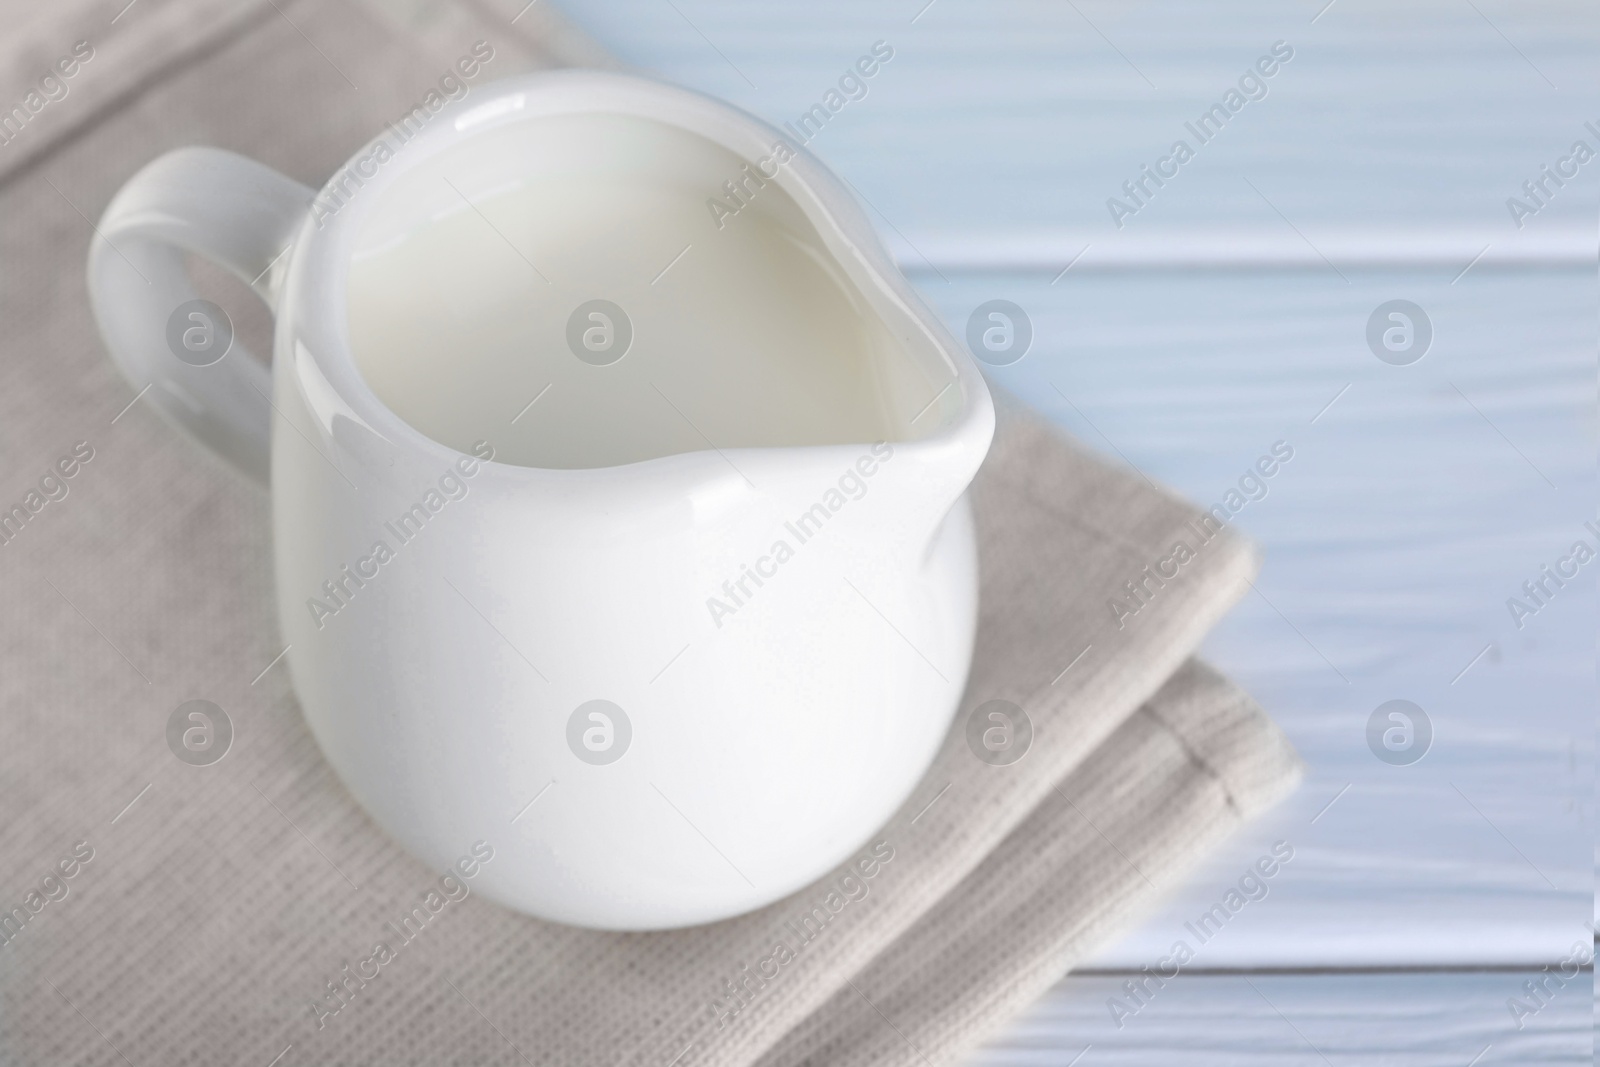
(936, 467)
(877, 506)
(932, 474)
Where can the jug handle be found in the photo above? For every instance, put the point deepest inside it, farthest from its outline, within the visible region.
(228, 209)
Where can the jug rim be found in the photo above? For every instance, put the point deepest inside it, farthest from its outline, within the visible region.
(313, 343)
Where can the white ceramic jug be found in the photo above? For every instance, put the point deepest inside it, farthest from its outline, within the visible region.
(665, 692)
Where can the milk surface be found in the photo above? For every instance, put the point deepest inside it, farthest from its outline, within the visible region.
(747, 334)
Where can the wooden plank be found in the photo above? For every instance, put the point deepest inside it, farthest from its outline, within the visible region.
(1404, 1020)
(998, 132)
(1413, 507)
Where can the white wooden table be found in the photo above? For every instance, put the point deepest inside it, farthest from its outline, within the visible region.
(1229, 312)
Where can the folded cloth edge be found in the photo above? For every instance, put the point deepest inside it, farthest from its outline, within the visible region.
(905, 1009)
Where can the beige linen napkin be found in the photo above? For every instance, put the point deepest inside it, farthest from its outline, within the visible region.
(210, 912)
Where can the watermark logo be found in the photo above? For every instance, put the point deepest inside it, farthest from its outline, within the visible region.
(599, 332)
(52, 86)
(50, 889)
(339, 591)
(199, 733)
(851, 485)
(740, 190)
(1399, 332)
(999, 332)
(1542, 187)
(1544, 586)
(1551, 980)
(599, 732)
(1251, 86)
(53, 486)
(1252, 887)
(199, 332)
(448, 889)
(999, 732)
(454, 84)
(846, 886)
(1140, 590)
(1399, 733)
